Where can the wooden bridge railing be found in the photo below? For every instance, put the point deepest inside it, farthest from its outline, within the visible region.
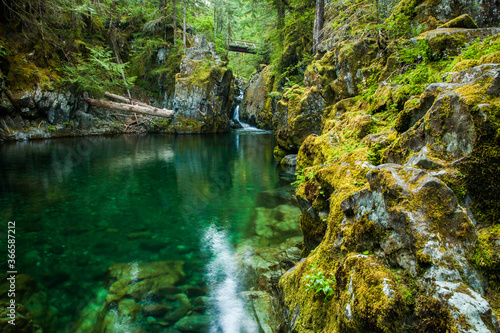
(243, 46)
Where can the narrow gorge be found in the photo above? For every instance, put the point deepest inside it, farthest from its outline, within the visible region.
(303, 166)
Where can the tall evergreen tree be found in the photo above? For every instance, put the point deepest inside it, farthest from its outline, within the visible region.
(319, 18)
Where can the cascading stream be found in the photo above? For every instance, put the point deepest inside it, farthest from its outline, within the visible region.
(236, 117)
(228, 309)
(244, 126)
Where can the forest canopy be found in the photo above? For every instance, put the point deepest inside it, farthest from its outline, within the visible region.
(98, 45)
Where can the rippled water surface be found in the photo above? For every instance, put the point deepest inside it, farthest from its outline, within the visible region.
(84, 204)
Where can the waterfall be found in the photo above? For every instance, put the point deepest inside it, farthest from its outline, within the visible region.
(244, 126)
(236, 117)
(229, 313)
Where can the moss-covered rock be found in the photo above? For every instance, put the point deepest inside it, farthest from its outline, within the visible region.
(492, 58)
(481, 12)
(408, 228)
(461, 124)
(204, 91)
(408, 220)
(449, 42)
(465, 64)
(463, 21)
(298, 115)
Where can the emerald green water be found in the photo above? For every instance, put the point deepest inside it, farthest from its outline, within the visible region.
(82, 204)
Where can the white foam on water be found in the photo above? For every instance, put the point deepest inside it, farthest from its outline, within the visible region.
(230, 315)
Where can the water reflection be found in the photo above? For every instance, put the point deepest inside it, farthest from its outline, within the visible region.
(83, 204)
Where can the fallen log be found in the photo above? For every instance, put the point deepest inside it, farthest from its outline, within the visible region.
(130, 108)
(128, 100)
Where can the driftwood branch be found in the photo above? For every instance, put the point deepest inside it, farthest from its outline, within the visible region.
(149, 110)
(127, 100)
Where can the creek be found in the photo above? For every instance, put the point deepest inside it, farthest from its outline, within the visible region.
(84, 204)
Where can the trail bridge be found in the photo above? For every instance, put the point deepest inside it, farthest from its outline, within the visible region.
(242, 46)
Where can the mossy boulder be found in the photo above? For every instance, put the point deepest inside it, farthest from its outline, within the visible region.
(492, 58)
(321, 72)
(204, 91)
(463, 21)
(483, 13)
(363, 296)
(407, 220)
(460, 125)
(298, 115)
(449, 42)
(465, 64)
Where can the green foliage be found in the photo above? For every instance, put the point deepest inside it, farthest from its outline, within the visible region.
(319, 283)
(477, 50)
(3, 51)
(399, 23)
(375, 154)
(301, 177)
(98, 73)
(417, 67)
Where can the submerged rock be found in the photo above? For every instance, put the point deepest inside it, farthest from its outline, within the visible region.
(276, 197)
(261, 307)
(33, 312)
(193, 323)
(275, 225)
(137, 290)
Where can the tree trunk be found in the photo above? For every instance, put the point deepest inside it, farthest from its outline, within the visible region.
(281, 20)
(129, 100)
(175, 21)
(121, 68)
(164, 113)
(215, 20)
(319, 19)
(184, 28)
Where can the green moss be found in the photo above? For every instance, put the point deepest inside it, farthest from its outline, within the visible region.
(439, 206)
(433, 316)
(26, 75)
(465, 64)
(183, 125)
(456, 181)
(206, 73)
(279, 153)
(463, 21)
(492, 58)
(444, 45)
(403, 120)
(362, 235)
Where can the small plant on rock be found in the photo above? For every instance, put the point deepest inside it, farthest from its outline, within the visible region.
(301, 177)
(319, 283)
